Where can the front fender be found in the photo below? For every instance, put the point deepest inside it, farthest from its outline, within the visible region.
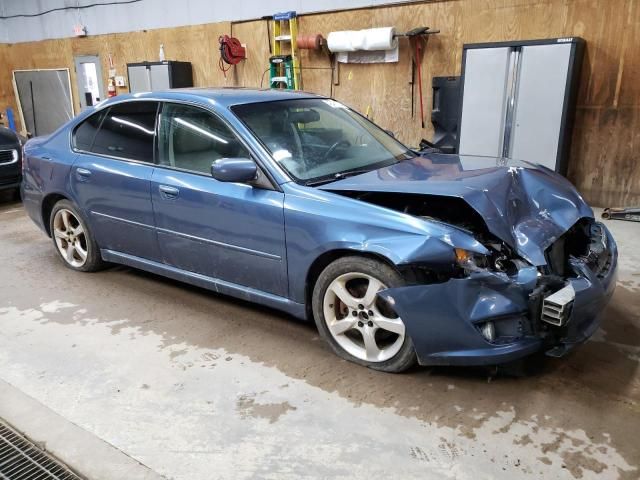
(318, 222)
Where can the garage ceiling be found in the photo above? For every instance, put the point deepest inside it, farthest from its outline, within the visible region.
(143, 14)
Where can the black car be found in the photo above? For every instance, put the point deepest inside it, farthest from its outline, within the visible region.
(10, 160)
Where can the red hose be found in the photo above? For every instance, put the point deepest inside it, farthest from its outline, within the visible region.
(231, 52)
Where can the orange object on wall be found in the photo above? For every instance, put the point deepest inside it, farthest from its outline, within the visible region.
(309, 42)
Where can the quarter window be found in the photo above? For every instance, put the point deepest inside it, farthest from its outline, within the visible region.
(128, 131)
(192, 139)
(86, 131)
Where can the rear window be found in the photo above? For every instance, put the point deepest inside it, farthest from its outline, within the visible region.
(86, 131)
(128, 131)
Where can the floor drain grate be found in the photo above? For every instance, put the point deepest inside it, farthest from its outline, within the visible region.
(22, 460)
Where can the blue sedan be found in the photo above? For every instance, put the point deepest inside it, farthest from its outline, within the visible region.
(295, 201)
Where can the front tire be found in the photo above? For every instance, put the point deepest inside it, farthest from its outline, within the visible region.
(72, 239)
(358, 324)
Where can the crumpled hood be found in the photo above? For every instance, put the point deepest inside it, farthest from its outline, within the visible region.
(525, 205)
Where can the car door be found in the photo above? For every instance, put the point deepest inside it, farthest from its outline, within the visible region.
(111, 177)
(229, 231)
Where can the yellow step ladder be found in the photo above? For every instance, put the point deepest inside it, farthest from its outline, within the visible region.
(285, 66)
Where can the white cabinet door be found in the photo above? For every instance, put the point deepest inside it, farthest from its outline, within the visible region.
(160, 77)
(539, 103)
(139, 79)
(483, 109)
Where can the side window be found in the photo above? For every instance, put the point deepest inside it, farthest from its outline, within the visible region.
(192, 139)
(128, 131)
(86, 131)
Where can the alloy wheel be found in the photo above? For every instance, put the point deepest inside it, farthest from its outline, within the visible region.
(70, 238)
(360, 321)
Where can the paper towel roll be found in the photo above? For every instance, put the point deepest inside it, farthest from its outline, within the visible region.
(340, 41)
(354, 40)
(380, 39)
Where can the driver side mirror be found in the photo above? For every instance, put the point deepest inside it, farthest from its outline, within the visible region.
(234, 170)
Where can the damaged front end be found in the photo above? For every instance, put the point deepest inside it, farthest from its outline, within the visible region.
(498, 310)
(546, 272)
(544, 276)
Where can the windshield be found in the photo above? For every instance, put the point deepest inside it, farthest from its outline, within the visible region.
(320, 139)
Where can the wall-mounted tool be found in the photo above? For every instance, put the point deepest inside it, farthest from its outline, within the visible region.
(631, 214)
(418, 38)
(231, 53)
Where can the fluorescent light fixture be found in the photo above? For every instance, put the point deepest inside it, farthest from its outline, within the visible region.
(200, 130)
(132, 124)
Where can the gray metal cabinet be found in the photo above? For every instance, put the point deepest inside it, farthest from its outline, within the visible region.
(151, 76)
(518, 99)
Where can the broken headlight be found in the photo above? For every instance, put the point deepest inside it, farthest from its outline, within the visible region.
(495, 261)
(471, 261)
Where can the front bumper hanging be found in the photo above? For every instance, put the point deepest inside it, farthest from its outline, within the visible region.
(445, 320)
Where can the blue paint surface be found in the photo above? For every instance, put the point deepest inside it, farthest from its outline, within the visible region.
(11, 119)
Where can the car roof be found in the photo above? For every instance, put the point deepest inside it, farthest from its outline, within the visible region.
(224, 96)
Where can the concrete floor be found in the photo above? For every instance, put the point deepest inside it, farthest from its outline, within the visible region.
(198, 386)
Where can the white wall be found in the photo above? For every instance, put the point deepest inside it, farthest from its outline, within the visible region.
(146, 14)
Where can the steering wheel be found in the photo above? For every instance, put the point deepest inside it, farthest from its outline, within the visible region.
(334, 147)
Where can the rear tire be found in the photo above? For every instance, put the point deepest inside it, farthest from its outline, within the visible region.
(72, 239)
(359, 325)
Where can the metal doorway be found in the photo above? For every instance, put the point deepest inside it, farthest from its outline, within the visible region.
(44, 99)
(89, 78)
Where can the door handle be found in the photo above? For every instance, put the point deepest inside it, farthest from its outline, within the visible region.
(168, 192)
(83, 174)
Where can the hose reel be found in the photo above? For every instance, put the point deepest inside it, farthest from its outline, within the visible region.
(231, 52)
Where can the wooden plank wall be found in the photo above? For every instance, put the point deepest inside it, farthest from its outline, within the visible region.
(604, 162)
